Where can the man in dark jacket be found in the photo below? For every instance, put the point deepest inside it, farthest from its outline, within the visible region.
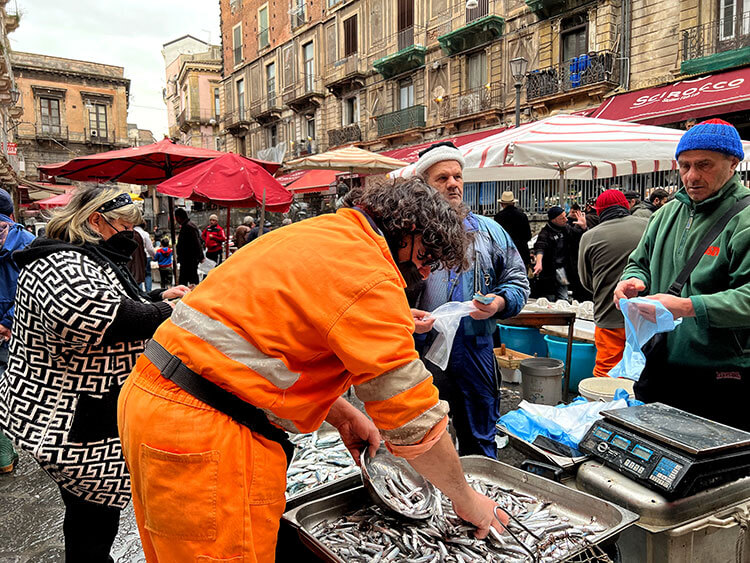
(12, 237)
(189, 248)
(553, 249)
(602, 257)
(516, 224)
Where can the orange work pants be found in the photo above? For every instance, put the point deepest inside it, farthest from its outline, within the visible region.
(205, 488)
(610, 343)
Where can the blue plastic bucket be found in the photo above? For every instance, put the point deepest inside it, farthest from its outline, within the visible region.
(523, 339)
(582, 358)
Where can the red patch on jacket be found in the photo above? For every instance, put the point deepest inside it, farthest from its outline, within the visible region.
(712, 251)
(729, 375)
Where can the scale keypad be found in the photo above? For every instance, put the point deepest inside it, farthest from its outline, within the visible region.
(665, 472)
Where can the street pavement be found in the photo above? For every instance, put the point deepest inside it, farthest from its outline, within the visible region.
(31, 510)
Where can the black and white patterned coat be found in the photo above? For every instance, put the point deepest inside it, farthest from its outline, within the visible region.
(58, 395)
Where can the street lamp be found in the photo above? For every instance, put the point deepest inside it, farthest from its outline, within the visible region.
(518, 68)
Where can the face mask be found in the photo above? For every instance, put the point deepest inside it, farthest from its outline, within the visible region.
(414, 281)
(122, 242)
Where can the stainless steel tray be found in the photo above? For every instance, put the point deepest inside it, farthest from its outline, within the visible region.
(579, 507)
(325, 490)
(657, 513)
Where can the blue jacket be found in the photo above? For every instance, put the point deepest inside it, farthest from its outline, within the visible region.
(16, 239)
(499, 267)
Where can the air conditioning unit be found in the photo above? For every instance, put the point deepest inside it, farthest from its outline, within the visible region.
(94, 133)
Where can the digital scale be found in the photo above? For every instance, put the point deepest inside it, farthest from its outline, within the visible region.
(668, 450)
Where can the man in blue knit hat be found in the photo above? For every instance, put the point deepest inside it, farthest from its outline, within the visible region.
(12, 237)
(705, 367)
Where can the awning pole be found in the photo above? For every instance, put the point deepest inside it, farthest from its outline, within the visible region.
(262, 213)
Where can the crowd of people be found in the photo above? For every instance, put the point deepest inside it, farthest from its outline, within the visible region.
(179, 397)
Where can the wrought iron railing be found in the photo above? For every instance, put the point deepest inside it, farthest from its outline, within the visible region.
(395, 42)
(344, 67)
(57, 132)
(306, 86)
(401, 120)
(472, 102)
(298, 17)
(594, 68)
(457, 16)
(480, 11)
(237, 117)
(343, 135)
(99, 136)
(263, 41)
(724, 34)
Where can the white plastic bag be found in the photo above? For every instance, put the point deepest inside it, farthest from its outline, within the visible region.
(447, 319)
(206, 266)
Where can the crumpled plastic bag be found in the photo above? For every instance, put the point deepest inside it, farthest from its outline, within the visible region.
(447, 320)
(206, 266)
(565, 424)
(638, 331)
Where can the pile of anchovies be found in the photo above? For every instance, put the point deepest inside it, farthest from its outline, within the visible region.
(371, 535)
(411, 501)
(318, 459)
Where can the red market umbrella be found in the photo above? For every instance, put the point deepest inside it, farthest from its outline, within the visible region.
(56, 201)
(231, 181)
(149, 164)
(313, 181)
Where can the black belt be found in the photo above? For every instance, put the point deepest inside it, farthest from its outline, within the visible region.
(240, 411)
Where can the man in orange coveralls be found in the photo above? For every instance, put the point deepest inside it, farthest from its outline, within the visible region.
(288, 324)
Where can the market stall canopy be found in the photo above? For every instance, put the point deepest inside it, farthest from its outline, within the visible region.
(313, 181)
(696, 98)
(411, 153)
(149, 164)
(230, 181)
(351, 159)
(55, 201)
(572, 147)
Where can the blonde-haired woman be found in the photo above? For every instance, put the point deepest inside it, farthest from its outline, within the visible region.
(80, 324)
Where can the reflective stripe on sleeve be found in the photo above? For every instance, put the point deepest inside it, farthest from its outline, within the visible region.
(232, 345)
(390, 384)
(415, 430)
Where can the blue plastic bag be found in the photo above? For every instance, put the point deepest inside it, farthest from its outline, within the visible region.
(565, 424)
(638, 331)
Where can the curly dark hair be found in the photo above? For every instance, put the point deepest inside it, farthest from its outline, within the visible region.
(410, 207)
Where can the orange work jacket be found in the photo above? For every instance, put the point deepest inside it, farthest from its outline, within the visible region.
(291, 321)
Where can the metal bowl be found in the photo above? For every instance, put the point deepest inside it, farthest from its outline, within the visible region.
(384, 464)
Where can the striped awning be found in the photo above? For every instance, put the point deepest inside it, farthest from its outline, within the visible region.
(571, 146)
(350, 159)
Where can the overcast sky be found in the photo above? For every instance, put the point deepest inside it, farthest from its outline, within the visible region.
(127, 33)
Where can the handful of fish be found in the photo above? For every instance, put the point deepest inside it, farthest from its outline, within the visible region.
(318, 459)
(536, 533)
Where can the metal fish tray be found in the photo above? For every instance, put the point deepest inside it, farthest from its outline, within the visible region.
(579, 507)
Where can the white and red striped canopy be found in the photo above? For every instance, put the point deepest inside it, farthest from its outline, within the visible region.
(574, 146)
(352, 159)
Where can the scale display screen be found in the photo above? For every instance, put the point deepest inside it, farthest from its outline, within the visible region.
(643, 453)
(620, 442)
(600, 432)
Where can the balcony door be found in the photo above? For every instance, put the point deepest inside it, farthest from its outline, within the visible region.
(734, 24)
(308, 58)
(406, 94)
(405, 23)
(271, 84)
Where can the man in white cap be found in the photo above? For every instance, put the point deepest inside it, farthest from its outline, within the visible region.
(516, 224)
(471, 383)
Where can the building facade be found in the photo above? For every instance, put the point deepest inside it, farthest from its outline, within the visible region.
(192, 95)
(10, 111)
(302, 76)
(70, 108)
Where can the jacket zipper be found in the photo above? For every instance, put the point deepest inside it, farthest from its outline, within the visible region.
(687, 230)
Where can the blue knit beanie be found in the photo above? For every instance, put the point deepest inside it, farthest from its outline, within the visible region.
(6, 203)
(713, 135)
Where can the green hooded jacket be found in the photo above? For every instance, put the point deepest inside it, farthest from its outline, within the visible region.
(719, 287)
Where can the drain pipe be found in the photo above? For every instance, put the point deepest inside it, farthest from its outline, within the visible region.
(625, 55)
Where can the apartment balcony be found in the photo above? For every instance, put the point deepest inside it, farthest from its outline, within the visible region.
(307, 93)
(345, 75)
(11, 22)
(409, 56)
(98, 137)
(473, 103)
(344, 135)
(401, 120)
(189, 117)
(472, 28)
(593, 74)
(298, 17)
(546, 8)
(718, 45)
(238, 119)
(267, 110)
(51, 132)
(305, 147)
